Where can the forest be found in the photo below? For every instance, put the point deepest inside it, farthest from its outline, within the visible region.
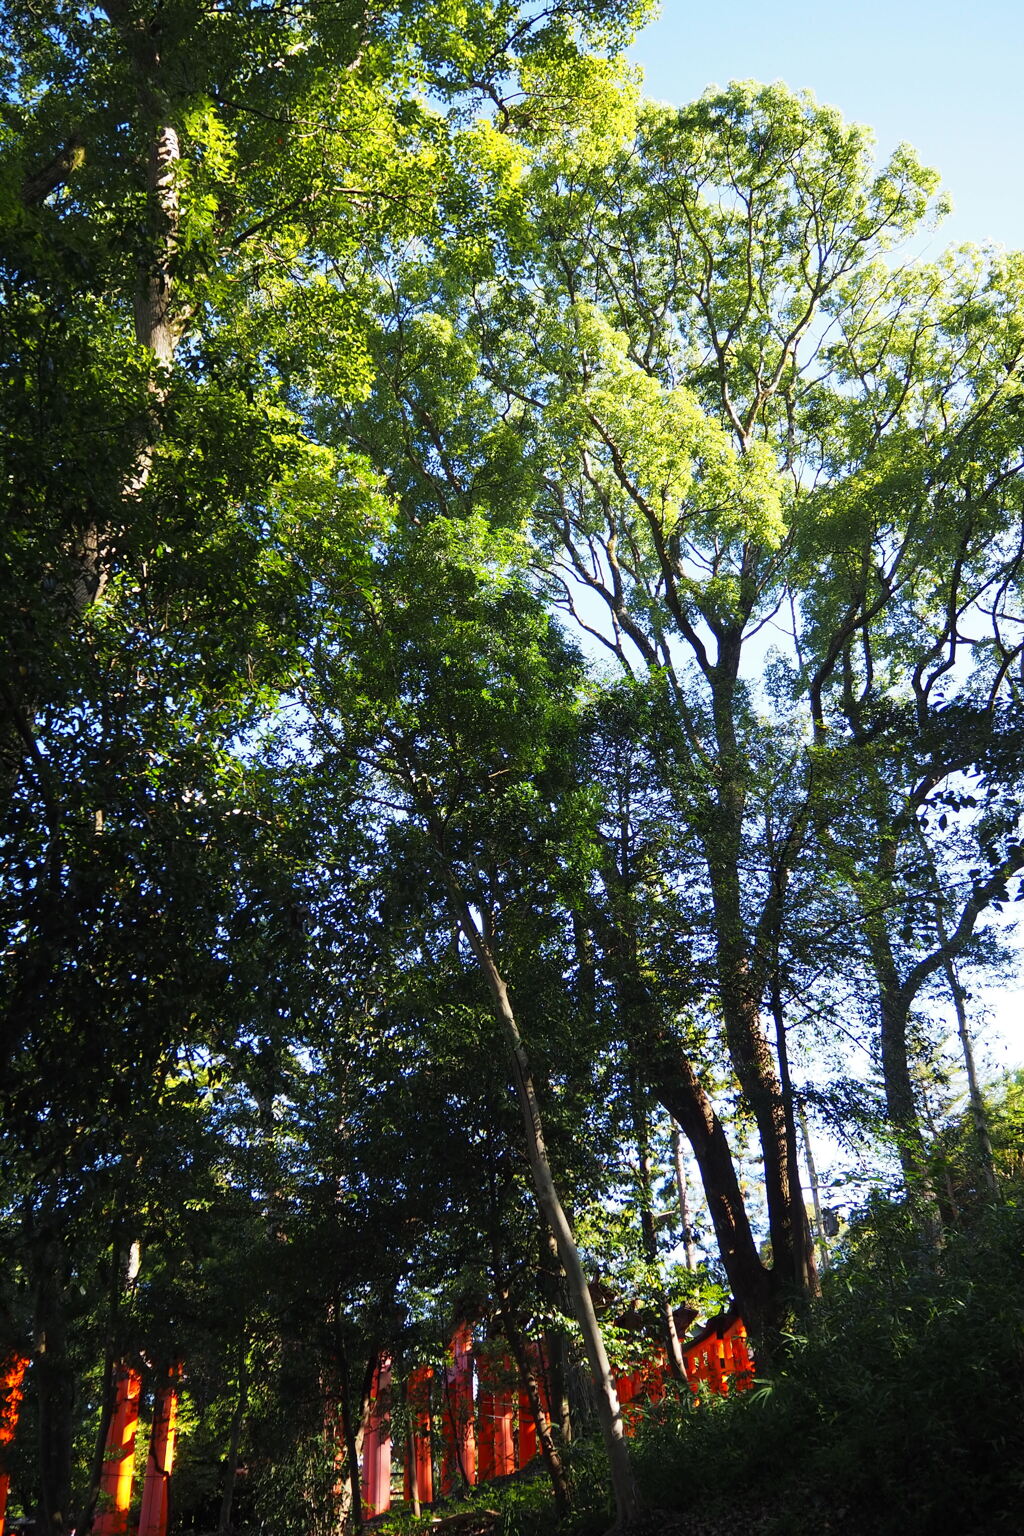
(511, 779)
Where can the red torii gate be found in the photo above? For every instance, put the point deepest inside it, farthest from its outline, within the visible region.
(118, 1473)
(495, 1421)
(491, 1433)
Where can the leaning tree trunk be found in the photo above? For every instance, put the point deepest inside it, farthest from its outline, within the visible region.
(528, 1377)
(676, 1085)
(679, 1170)
(627, 1504)
(648, 1229)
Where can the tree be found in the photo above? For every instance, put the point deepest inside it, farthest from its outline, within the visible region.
(679, 358)
(449, 688)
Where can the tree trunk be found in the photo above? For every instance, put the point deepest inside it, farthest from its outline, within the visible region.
(677, 1087)
(812, 1174)
(681, 1093)
(353, 1436)
(751, 1057)
(807, 1271)
(227, 1497)
(740, 986)
(627, 1505)
(679, 1168)
(983, 1140)
(900, 1101)
(545, 1438)
(648, 1231)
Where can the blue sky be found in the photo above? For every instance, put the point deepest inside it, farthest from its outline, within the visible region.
(945, 77)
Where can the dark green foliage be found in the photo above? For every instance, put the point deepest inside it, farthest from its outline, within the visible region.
(900, 1410)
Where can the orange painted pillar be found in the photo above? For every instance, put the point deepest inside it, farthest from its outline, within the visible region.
(12, 1374)
(457, 1415)
(527, 1447)
(160, 1462)
(496, 1449)
(716, 1375)
(742, 1364)
(695, 1372)
(376, 1458)
(485, 1424)
(626, 1389)
(504, 1445)
(118, 1473)
(419, 1466)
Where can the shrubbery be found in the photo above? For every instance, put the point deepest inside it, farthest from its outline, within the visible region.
(899, 1411)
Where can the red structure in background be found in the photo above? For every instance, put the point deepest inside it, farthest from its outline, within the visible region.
(481, 1438)
(119, 1462)
(160, 1462)
(458, 1431)
(495, 1410)
(419, 1464)
(376, 1455)
(717, 1359)
(12, 1374)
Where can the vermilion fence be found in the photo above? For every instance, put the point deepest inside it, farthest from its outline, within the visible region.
(487, 1429)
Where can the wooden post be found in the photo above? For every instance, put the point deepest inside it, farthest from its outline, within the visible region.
(457, 1415)
(526, 1445)
(716, 1377)
(12, 1374)
(419, 1468)
(376, 1457)
(485, 1423)
(160, 1462)
(504, 1447)
(118, 1473)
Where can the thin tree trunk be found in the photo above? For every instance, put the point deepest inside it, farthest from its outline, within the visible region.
(978, 1115)
(977, 1102)
(55, 1392)
(812, 1174)
(648, 1231)
(627, 1504)
(353, 1437)
(804, 1254)
(546, 1440)
(84, 1523)
(679, 1168)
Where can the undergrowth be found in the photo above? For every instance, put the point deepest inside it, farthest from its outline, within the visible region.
(899, 1411)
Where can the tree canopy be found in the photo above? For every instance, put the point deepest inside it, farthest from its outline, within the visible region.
(512, 651)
